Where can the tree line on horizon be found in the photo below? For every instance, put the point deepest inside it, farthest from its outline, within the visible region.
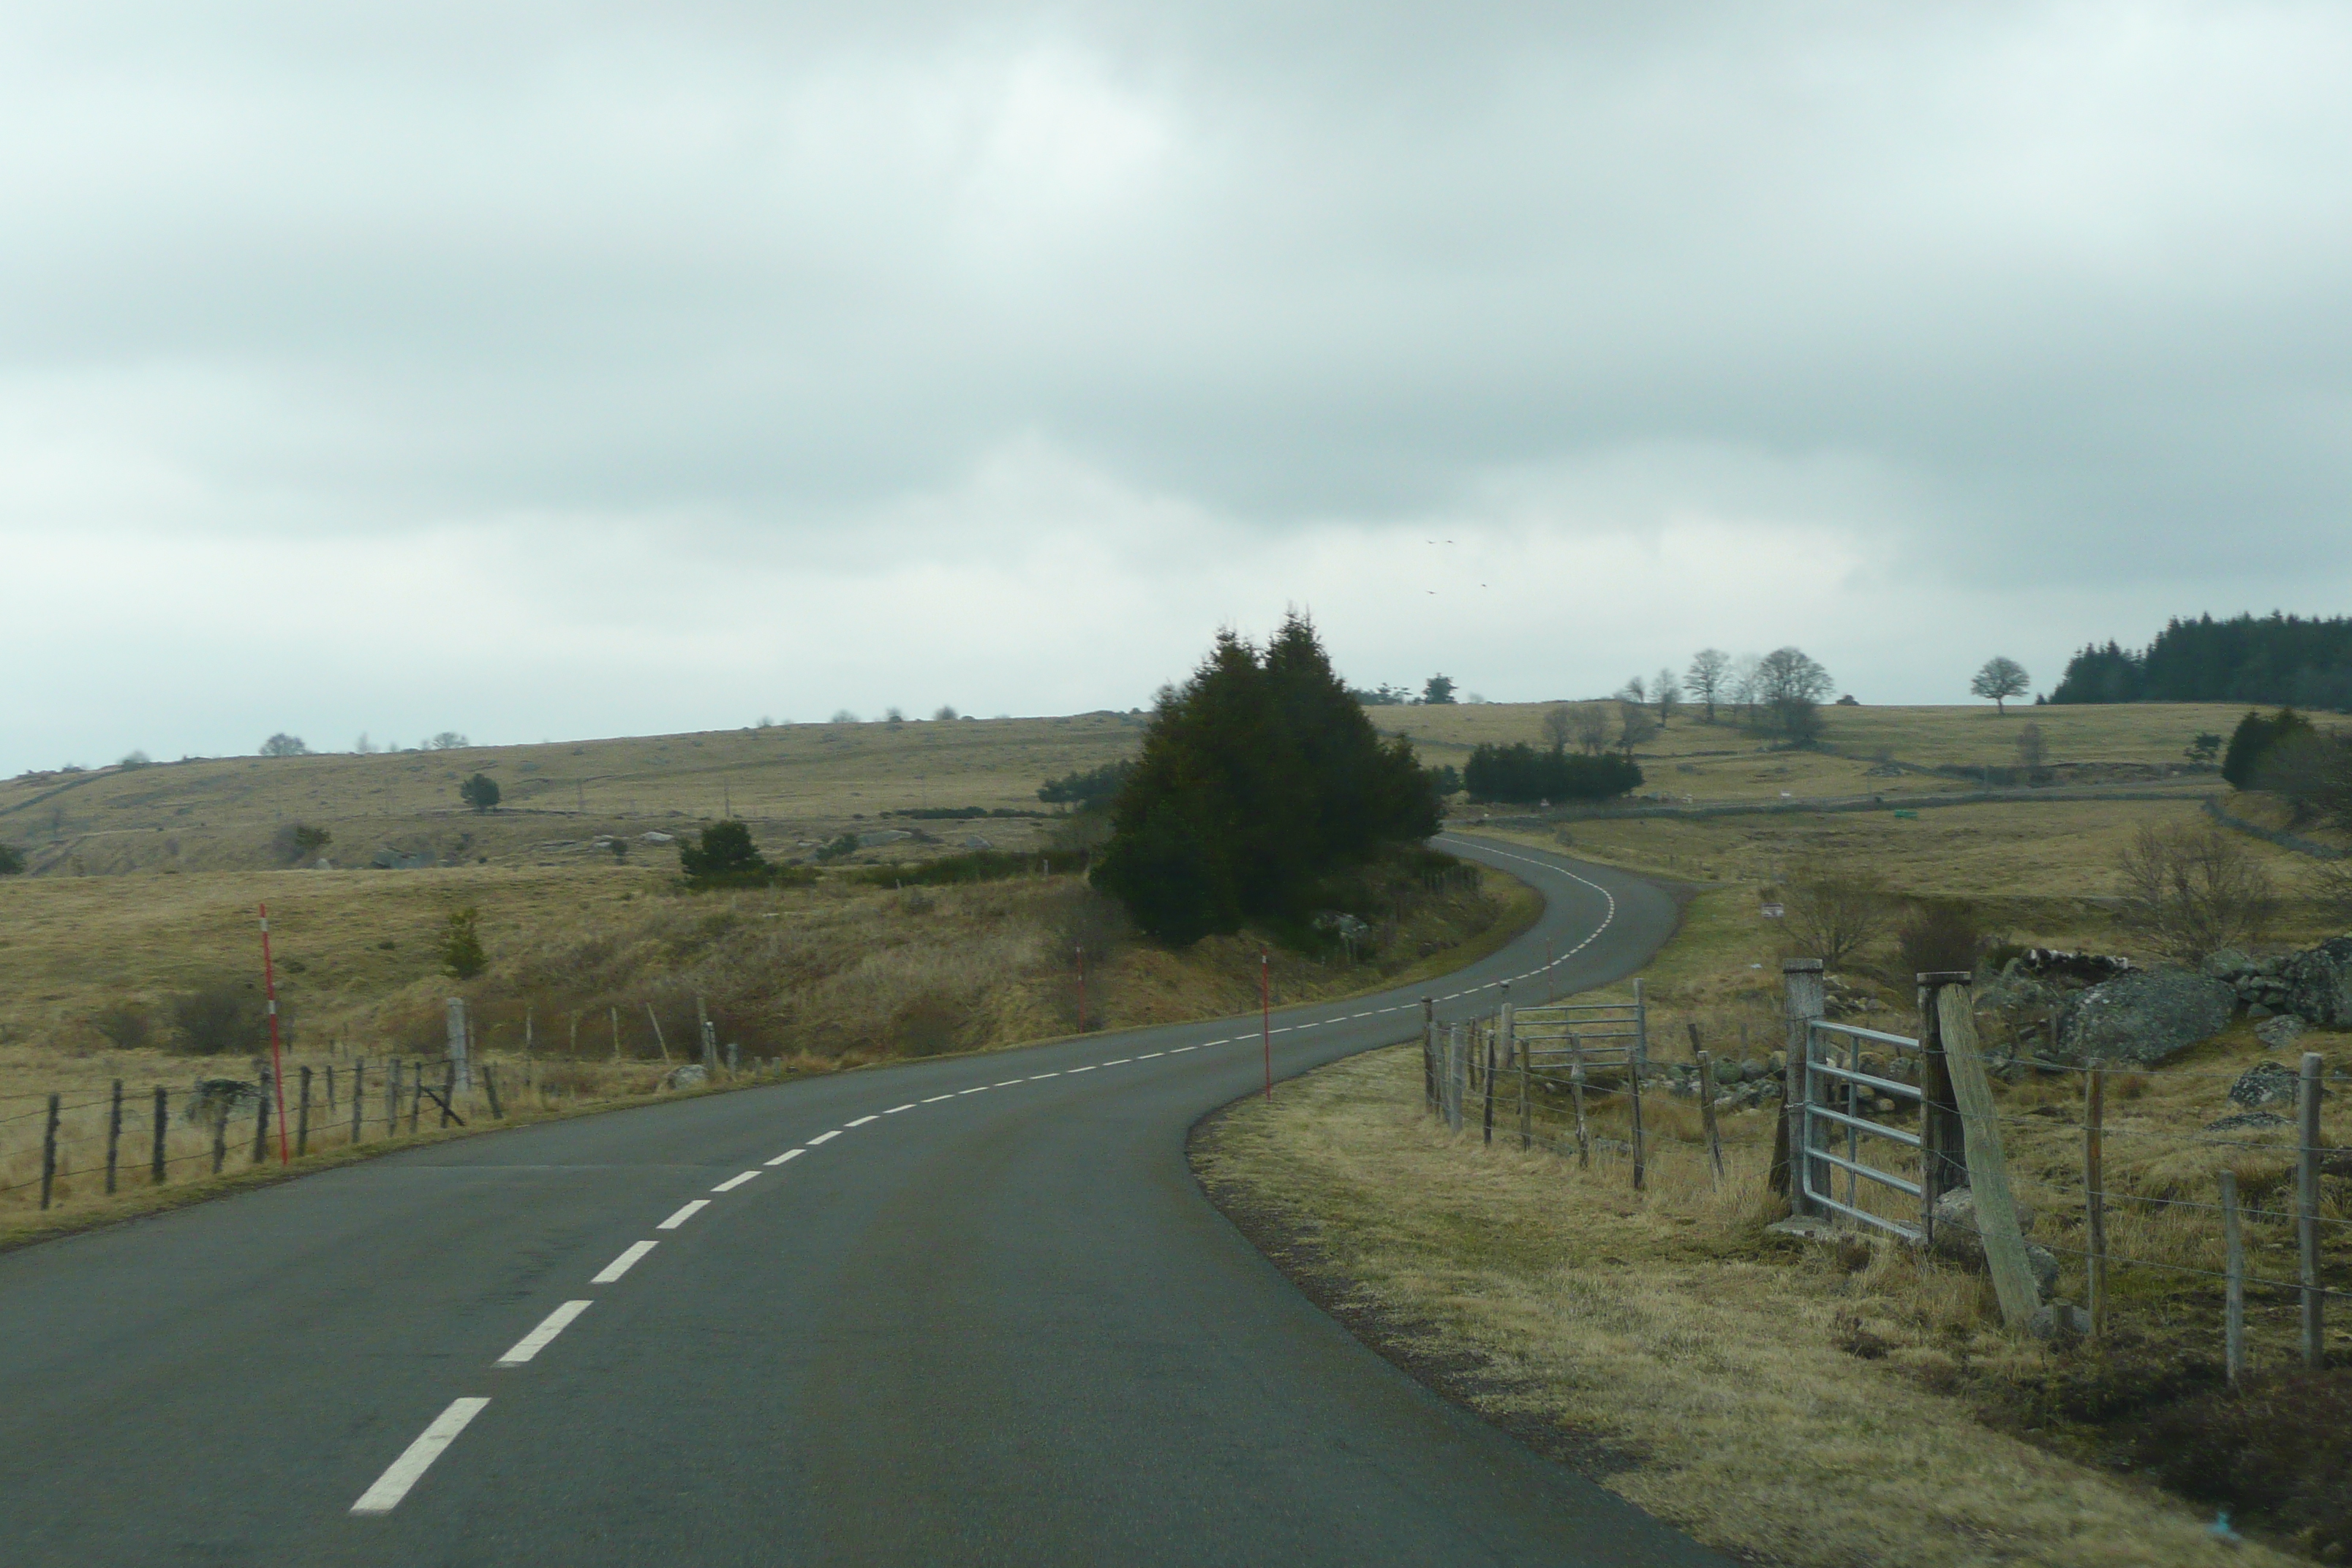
(2278, 659)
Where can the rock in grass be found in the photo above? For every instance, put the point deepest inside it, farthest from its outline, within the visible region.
(2264, 1084)
(2319, 984)
(692, 1076)
(2144, 1017)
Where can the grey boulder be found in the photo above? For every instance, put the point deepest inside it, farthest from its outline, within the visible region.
(2264, 1084)
(2319, 984)
(2144, 1017)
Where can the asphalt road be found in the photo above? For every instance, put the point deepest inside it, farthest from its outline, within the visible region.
(983, 1316)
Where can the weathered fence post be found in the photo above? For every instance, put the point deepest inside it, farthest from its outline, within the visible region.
(658, 1034)
(449, 1090)
(1641, 1159)
(1801, 980)
(1489, 1032)
(490, 1086)
(459, 1063)
(1429, 1054)
(1527, 1085)
(392, 1097)
(1640, 1024)
(302, 1116)
(2094, 1192)
(261, 1120)
(1457, 1077)
(1707, 1109)
(1576, 1094)
(50, 1151)
(331, 1088)
(220, 1138)
(114, 1133)
(2233, 1304)
(2307, 1218)
(1996, 1210)
(415, 1095)
(1943, 1139)
(358, 1094)
(162, 1120)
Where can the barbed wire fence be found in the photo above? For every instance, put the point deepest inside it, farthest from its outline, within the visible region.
(2246, 1207)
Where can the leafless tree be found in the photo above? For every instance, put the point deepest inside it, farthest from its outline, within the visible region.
(1634, 691)
(1635, 725)
(1592, 728)
(1667, 693)
(1746, 680)
(1559, 727)
(1709, 678)
(2000, 679)
(1835, 910)
(2193, 889)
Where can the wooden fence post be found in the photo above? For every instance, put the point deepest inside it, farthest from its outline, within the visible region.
(220, 1138)
(114, 1133)
(155, 1172)
(448, 1091)
(392, 1097)
(1633, 1087)
(1707, 1109)
(302, 1116)
(261, 1120)
(491, 1087)
(1429, 1054)
(1943, 1139)
(331, 1088)
(2306, 1219)
(359, 1095)
(1490, 1117)
(1457, 1077)
(2094, 1192)
(1576, 1095)
(1996, 1209)
(50, 1151)
(1801, 980)
(2233, 1304)
(415, 1095)
(1526, 1080)
(658, 1034)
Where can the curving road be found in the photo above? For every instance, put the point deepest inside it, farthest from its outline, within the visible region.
(962, 1312)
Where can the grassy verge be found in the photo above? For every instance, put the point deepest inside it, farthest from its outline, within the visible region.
(1719, 1377)
(1142, 986)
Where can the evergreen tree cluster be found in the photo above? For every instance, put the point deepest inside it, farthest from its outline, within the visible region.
(1091, 787)
(2255, 740)
(2275, 658)
(1260, 780)
(1522, 774)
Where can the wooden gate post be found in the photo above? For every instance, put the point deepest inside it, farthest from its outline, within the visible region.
(155, 1171)
(1996, 1210)
(261, 1120)
(1801, 980)
(1943, 1139)
(50, 1151)
(113, 1134)
(302, 1114)
(1707, 1109)
(1576, 1092)
(2306, 1219)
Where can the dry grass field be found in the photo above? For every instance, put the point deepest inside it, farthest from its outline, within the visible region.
(1791, 1403)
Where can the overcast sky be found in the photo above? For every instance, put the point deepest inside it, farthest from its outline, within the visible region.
(543, 371)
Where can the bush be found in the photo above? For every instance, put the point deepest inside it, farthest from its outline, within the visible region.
(126, 1027)
(725, 858)
(2193, 889)
(1094, 786)
(1941, 936)
(974, 866)
(220, 1017)
(480, 792)
(285, 746)
(2252, 741)
(12, 860)
(1835, 911)
(2279, 1452)
(1522, 774)
(296, 842)
(2313, 773)
(461, 945)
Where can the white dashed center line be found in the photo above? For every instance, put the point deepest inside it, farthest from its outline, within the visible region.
(1179, 1050)
(1120, 1063)
(1037, 1077)
(787, 1155)
(622, 1264)
(934, 1099)
(896, 1109)
(539, 1337)
(1146, 1055)
(731, 1182)
(1075, 1070)
(682, 1215)
(414, 1461)
(824, 1138)
(861, 1121)
(980, 1088)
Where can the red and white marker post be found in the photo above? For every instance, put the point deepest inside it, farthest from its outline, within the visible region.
(277, 1058)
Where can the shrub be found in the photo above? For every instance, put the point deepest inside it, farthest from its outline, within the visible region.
(219, 1017)
(1521, 773)
(2313, 773)
(1093, 787)
(285, 746)
(1835, 911)
(2193, 889)
(2253, 739)
(132, 760)
(126, 1027)
(1941, 935)
(461, 945)
(974, 866)
(725, 858)
(480, 792)
(2279, 1450)
(12, 860)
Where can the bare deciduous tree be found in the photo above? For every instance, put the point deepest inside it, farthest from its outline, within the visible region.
(1835, 911)
(1592, 728)
(1667, 694)
(1709, 678)
(2192, 888)
(1635, 725)
(1559, 727)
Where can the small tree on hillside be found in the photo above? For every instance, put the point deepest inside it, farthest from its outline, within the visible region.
(285, 746)
(480, 792)
(1558, 727)
(448, 740)
(1789, 689)
(1999, 679)
(12, 860)
(1438, 691)
(2255, 739)
(2193, 889)
(1593, 728)
(726, 856)
(1835, 910)
(461, 945)
(1709, 675)
(1667, 693)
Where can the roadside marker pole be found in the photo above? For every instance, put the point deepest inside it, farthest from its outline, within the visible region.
(1266, 1017)
(276, 1060)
